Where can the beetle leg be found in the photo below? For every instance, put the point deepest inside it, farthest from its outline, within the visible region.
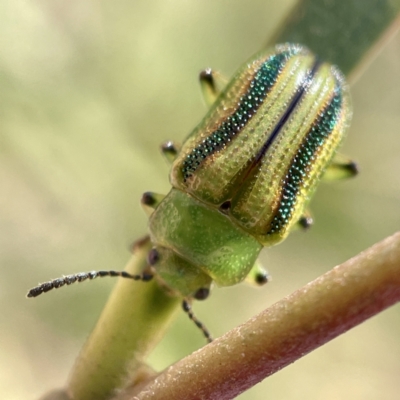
(258, 275)
(170, 151)
(340, 168)
(150, 201)
(210, 83)
(305, 221)
(139, 244)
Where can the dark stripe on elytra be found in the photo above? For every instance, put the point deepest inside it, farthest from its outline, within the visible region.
(295, 100)
(259, 87)
(297, 172)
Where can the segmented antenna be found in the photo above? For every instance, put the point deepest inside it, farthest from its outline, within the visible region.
(83, 276)
(187, 308)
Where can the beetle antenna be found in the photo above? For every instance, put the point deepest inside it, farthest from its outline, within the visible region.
(187, 308)
(83, 276)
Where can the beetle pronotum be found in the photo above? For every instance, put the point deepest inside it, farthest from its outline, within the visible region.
(243, 178)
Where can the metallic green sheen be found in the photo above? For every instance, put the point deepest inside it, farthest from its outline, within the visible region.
(303, 160)
(263, 173)
(248, 105)
(245, 175)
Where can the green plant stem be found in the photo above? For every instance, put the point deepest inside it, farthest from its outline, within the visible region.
(325, 308)
(132, 323)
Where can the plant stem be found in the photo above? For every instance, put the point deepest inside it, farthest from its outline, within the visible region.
(132, 323)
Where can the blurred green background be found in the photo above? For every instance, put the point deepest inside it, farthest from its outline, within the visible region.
(88, 91)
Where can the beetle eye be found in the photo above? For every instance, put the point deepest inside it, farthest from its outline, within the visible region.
(153, 257)
(202, 294)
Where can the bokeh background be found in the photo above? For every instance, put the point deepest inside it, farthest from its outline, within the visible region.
(88, 91)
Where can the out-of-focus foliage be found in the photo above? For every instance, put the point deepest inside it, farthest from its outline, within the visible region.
(88, 90)
(345, 32)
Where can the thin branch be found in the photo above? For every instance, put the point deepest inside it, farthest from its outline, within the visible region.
(325, 308)
(132, 323)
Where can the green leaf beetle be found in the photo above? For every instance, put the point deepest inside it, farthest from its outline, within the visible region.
(243, 178)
